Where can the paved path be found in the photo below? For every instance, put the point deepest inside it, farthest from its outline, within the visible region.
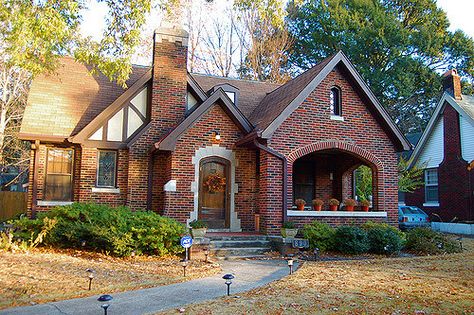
(248, 275)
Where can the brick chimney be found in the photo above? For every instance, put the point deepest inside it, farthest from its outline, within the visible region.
(452, 83)
(169, 77)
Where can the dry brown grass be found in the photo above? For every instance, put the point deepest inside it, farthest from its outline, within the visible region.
(42, 275)
(420, 285)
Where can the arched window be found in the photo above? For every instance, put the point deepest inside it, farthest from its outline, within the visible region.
(335, 101)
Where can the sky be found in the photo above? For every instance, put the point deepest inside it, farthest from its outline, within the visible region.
(460, 14)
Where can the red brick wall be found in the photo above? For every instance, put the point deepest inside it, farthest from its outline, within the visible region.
(360, 133)
(453, 177)
(180, 204)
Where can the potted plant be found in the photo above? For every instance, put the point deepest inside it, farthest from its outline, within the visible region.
(349, 204)
(318, 204)
(289, 230)
(333, 204)
(198, 228)
(365, 204)
(300, 203)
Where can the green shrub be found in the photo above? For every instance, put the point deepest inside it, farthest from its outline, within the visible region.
(383, 238)
(429, 242)
(320, 235)
(351, 240)
(113, 230)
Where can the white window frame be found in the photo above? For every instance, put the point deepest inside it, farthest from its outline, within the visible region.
(98, 166)
(430, 183)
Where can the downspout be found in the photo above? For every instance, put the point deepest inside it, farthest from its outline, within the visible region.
(284, 176)
(34, 188)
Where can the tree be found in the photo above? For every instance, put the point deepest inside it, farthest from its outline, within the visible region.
(264, 38)
(410, 178)
(399, 46)
(35, 34)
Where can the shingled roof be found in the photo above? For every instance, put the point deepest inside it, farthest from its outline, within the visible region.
(61, 104)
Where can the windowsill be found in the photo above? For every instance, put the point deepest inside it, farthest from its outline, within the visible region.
(46, 203)
(431, 204)
(106, 190)
(336, 117)
(310, 213)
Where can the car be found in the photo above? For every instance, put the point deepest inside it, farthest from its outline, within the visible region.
(411, 217)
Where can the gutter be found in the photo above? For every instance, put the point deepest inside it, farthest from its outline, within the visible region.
(284, 176)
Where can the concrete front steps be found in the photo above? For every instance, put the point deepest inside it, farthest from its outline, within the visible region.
(238, 246)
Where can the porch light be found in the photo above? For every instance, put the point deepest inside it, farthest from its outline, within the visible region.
(184, 264)
(228, 281)
(217, 135)
(290, 263)
(105, 298)
(90, 275)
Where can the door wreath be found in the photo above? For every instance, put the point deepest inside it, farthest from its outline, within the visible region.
(215, 183)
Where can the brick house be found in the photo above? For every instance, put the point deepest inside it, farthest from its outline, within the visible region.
(446, 147)
(230, 152)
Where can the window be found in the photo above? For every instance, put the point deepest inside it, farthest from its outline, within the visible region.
(335, 101)
(58, 181)
(106, 168)
(304, 181)
(431, 185)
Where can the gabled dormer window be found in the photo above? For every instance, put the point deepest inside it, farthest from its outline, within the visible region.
(191, 101)
(335, 98)
(231, 91)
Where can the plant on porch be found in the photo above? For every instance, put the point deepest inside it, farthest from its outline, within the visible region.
(349, 204)
(333, 204)
(365, 204)
(318, 204)
(300, 203)
(289, 229)
(198, 228)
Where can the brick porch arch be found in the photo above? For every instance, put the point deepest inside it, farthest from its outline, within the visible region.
(373, 162)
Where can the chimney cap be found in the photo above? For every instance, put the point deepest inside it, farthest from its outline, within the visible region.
(171, 34)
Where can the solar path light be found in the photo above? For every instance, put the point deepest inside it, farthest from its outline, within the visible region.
(290, 263)
(184, 264)
(105, 298)
(90, 275)
(206, 253)
(228, 281)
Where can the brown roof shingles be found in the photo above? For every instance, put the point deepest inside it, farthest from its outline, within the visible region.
(275, 102)
(251, 92)
(63, 103)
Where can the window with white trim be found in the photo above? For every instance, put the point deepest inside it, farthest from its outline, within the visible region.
(106, 168)
(431, 185)
(335, 101)
(58, 181)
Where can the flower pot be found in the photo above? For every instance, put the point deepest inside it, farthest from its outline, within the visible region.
(289, 233)
(318, 207)
(365, 208)
(300, 207)
(349, 208)
(198, 232)
(333, 207)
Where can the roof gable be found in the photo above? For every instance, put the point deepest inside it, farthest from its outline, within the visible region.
(277, 106)
(168, 143)
(464, 107)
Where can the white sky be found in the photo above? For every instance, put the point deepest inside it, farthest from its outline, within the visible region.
(460, 14)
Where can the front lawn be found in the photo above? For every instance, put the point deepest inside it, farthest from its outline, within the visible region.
(43, 275)
(422, 285)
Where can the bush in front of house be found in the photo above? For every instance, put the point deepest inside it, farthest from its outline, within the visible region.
(320, 235)
(118, 231)
(351, 240)
(383, 238)
(425, 241)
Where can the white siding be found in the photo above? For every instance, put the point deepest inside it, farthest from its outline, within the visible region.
(433, 152)
(467, 138)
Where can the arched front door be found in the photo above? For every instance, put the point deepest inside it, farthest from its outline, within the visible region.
(214, 192)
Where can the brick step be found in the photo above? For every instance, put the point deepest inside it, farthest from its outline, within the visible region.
(240, 244)
(237, 238)
(239, 252)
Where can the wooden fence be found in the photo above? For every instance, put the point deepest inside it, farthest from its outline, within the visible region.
(12, 203)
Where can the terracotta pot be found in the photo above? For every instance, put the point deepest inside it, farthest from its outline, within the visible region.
(317, 207)
(332, 208)
(349, 208)
(365, 208)
(300, 207)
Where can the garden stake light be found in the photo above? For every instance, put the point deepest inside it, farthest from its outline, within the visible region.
(206, 253)
(105, 298)
(290, 263)
(90, 273)
(228, 281)
(184, 264)
(459, 239)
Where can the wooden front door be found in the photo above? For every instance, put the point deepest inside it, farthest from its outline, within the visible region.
(213, 192)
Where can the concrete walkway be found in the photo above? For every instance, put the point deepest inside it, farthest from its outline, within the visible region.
(249, 274)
